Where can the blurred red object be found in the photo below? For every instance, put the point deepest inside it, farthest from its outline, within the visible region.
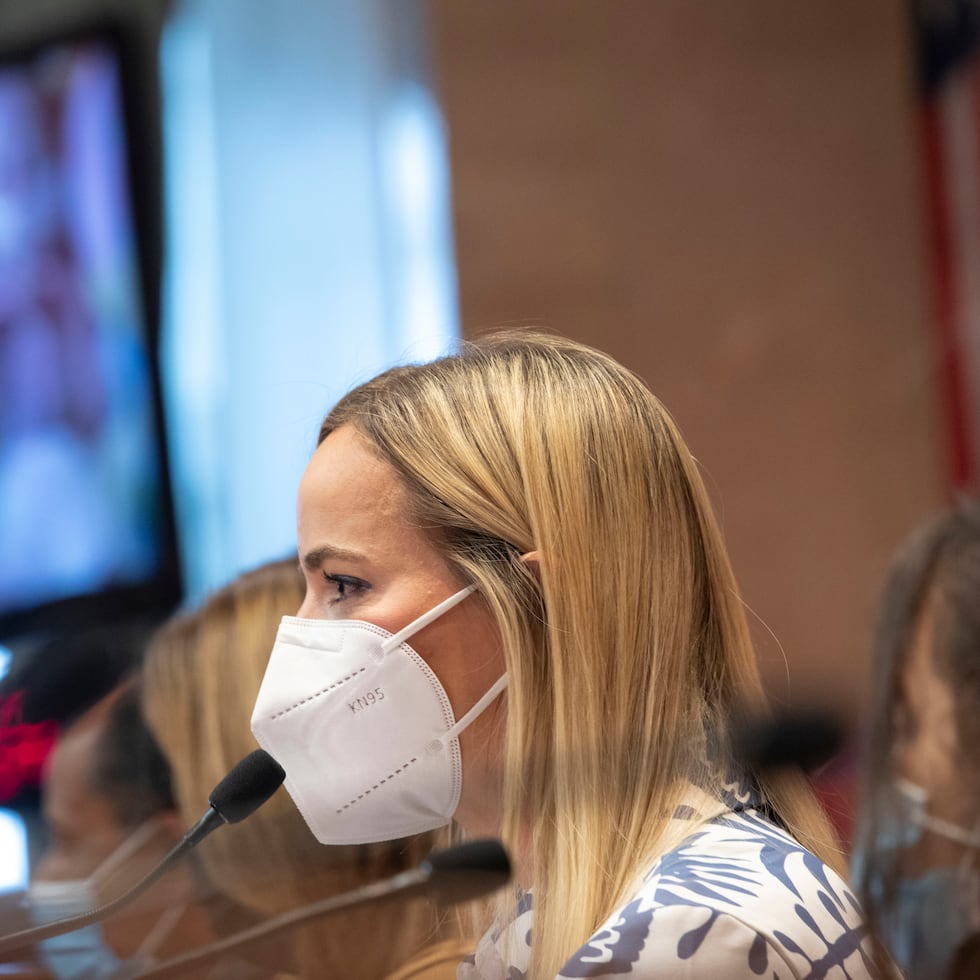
(23, 747)
(836, 788)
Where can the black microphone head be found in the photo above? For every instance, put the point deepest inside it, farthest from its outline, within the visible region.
(806, 739)
(466, 871)
(247, 786)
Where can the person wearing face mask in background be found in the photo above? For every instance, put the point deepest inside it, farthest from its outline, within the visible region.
(107, 808)
(520, 617)
(50, 686)
(111, 818)
(917, 855)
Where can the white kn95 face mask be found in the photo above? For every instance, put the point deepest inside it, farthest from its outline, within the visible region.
(363, 728)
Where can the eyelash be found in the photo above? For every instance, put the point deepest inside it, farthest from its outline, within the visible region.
(345, 585)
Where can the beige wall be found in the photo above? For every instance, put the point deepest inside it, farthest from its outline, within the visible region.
(725, 196)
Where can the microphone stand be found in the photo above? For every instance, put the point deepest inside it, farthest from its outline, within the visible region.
(18, 941)
(457, 874)
(404, 885)
(242, 791)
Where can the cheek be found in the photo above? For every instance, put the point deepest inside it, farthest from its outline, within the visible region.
(49, 868)
(922, 760)
(934, 752)
(82, 854)
(465, 654)
(910, 758)
(64, 863)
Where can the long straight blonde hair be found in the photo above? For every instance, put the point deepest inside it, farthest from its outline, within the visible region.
(628, 654)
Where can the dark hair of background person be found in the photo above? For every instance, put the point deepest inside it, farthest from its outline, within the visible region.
(938, 569)
(128, 768)
(50, 685)
(65, 675)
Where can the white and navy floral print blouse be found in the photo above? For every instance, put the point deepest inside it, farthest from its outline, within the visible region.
(739, 898)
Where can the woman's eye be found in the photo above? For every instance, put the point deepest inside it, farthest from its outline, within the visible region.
(342, 587)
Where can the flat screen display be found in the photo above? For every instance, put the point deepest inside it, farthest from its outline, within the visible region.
(83, 501)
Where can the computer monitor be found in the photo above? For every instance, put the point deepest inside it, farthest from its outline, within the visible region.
(86, 515)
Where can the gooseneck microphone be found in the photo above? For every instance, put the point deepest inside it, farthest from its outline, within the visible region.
(457, 874)
(246, 787)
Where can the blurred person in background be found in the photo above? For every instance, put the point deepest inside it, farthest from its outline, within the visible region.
(111, 818)
(200, 681)
(51, 684)
(917, 859)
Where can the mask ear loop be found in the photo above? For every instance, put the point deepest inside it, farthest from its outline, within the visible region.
(130, 846)
(495, 690)
(970, 857)
(911, 792)
(951, 831)
(416, 624)
(970, 839)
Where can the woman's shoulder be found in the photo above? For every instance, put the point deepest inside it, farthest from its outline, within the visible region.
(738, 897)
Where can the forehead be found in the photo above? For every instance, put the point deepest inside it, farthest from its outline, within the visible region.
(352, 499)
(69, 798)
(346, 454)
(346, 474)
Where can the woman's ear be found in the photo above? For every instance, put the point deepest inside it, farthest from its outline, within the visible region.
(533, 561)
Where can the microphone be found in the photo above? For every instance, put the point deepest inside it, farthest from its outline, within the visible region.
(805, 739)
(246, 787)
(457, 874)
(242, 791)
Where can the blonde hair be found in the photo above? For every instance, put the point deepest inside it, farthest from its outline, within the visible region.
(200, 680)
(630, 657)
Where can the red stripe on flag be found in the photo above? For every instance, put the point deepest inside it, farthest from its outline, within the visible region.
(961, 462)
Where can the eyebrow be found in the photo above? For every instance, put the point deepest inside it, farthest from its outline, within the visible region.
(313, 559)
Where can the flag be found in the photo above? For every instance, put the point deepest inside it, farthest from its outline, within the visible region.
(947, 35)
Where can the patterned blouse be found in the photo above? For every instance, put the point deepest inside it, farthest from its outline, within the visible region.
(738, 898)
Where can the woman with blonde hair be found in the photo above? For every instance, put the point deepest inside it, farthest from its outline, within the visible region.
(200, 679)
(520, 615)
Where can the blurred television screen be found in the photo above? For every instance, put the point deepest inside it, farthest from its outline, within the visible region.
(84, 506)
